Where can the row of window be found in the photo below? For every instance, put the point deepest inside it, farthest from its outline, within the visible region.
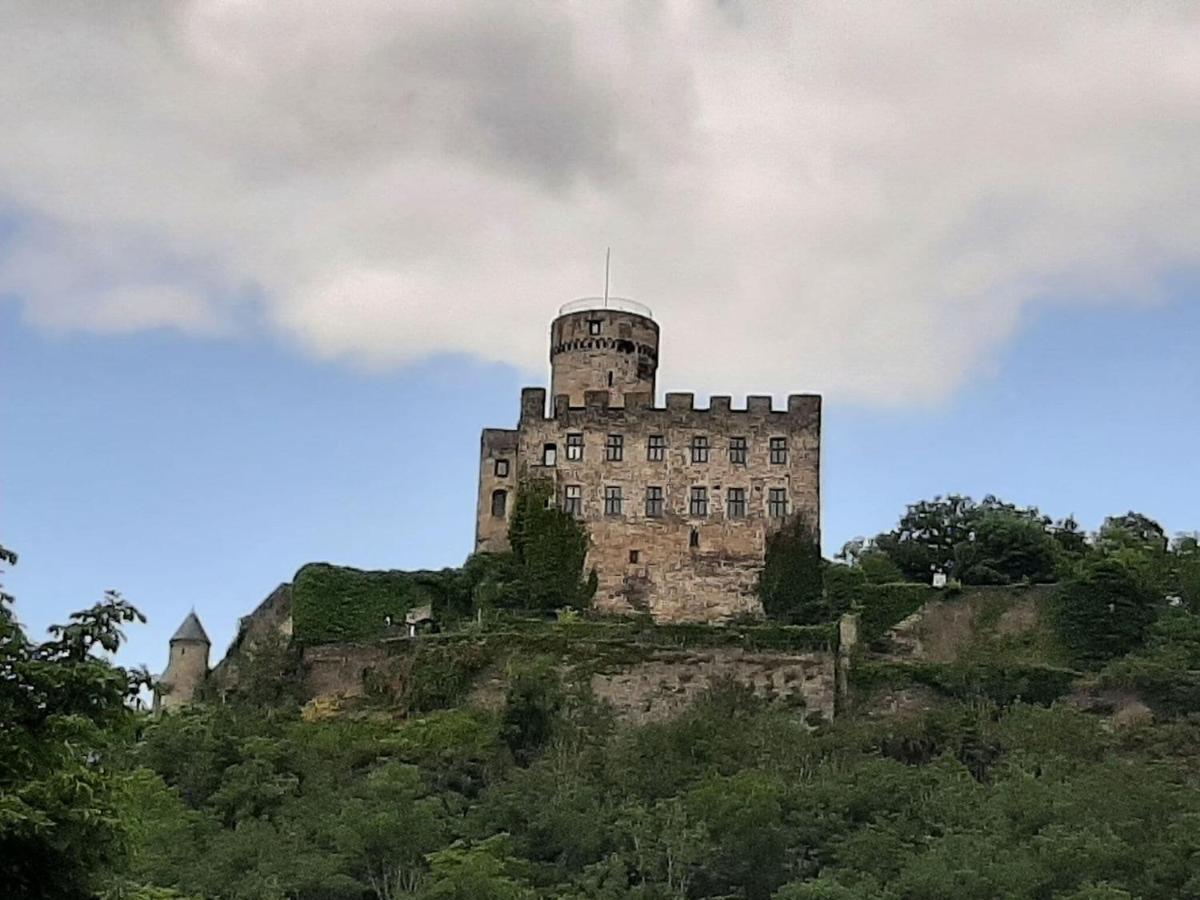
(698, 501)
(656, 449)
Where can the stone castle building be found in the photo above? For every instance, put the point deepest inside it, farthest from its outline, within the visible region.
(678, 501)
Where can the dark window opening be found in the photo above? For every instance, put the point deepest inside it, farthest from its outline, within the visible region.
(633, 556)
(654, 502)
(499, 503)
(614, 447)
(700, 449)
(777, 503)
(593, 326)
(575, 447)
(737, 451)
(610, 378)
(612, 500)
(735, 507)
(779, 450)
(656, 448)
(502, 468)
(550, 454)
(694, 538)
(698, 505)
(573, 500)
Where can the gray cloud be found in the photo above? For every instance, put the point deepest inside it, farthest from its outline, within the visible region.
(860, 198)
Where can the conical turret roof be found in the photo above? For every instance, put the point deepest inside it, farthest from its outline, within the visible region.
(191, 630)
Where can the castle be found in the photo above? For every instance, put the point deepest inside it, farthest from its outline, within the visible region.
(678, 501)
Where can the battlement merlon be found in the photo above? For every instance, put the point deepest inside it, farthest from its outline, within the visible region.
(639, 405)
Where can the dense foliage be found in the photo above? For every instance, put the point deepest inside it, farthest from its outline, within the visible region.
(338, 603)
(550, 546)
(791, 583)
(548, 797)
(62, 712)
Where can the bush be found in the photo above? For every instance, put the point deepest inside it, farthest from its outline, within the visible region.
(550, 546)
(791, 585)
(1104, 611)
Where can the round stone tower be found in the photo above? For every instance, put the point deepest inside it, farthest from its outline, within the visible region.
(187, 666)
(598, 345)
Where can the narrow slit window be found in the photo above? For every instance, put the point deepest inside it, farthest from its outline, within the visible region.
(610, 378)
(694, 538)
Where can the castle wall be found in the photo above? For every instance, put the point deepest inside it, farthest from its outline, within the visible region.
(680, 566)
(498, 445)
(603, 349)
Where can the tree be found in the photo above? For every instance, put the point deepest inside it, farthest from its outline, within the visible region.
(1005, 546)
(61, 708)
(550, 546)
(791, 584)
(1105, 610)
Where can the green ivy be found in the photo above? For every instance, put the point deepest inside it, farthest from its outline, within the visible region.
(882, 606)
(338, 603)
(550, 546)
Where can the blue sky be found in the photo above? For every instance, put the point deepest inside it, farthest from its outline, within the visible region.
(195, 472)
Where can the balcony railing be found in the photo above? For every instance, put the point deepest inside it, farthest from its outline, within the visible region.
(621, 304)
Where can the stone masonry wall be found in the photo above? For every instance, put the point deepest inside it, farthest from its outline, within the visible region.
(603, 349)
(679, 567)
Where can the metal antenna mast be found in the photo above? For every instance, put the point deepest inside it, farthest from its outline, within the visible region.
(607, 255)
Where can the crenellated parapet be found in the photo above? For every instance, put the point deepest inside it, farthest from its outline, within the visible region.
(679, 406)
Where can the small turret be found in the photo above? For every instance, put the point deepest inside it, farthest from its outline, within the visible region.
(187, 666)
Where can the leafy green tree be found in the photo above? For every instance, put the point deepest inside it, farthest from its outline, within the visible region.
(551, 547)
(1104, 611)
(62, 709)
(388, 827)
(791, 584)
(532, 702)
(1004, 546)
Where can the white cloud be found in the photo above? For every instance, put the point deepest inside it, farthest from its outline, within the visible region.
(863, 199)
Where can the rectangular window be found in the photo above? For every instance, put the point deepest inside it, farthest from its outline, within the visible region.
(574, 447)
(634, 556)
(502, 468)
(735, 505)
(573, 500)
(700, 449)
(499, 503)
(593, 326)
(614, 447)
(656, 448)
(779, 450)
(612, 500)
(777, 503)
(737, 451)
(698, 506)
(549, 454)
(654, 502)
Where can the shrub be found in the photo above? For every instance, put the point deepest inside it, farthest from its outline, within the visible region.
(791, 583)
(1104, 611)
(550, 546)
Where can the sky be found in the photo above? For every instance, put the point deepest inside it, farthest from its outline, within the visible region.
(266, 270)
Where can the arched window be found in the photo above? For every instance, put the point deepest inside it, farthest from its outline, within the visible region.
(499, 503)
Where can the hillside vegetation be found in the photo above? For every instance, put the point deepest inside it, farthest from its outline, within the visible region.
(1002, 788)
